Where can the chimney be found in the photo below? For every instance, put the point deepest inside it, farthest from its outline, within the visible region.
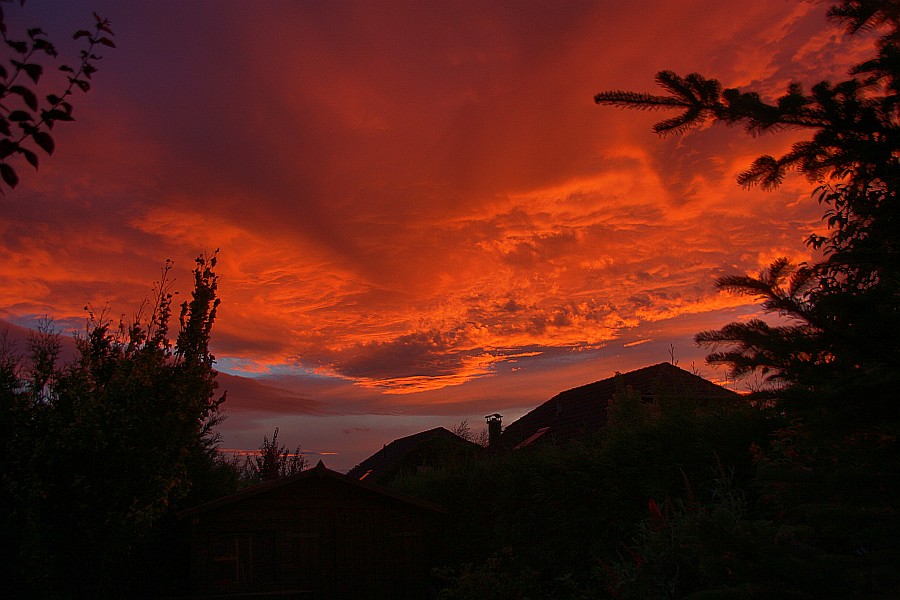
(494, 429)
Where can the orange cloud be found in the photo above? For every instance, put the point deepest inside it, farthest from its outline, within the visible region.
(418, 206)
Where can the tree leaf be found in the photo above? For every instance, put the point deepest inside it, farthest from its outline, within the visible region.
(56, 115)
(7, 147)
(20, 47)
(84, 85)
(43, 139)
(81, 33)
(9, 175)
(27, 95)
(47, 47)
(20, 115)
(30, 156)
(33, 70)
(102, 24)
(106, 42)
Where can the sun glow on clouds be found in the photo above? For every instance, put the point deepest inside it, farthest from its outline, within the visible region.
(538, 269)
(419, 204)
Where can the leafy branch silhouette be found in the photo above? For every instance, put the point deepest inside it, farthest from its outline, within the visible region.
(24, 117)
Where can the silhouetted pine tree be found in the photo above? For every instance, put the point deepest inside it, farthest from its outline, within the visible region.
(845, 310)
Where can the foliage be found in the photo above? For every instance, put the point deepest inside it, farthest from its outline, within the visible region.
(845, 309)
(823, 526)
(98, 451)
(796, 351)
(274, 462)
(732, 502)
(464, 430)
(679, 547)
(24, 116)
(625, 409)
(534, 522)
(498, 577)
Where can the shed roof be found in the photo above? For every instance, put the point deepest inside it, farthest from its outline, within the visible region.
(392, 455)
(582, 410)
(320, 473)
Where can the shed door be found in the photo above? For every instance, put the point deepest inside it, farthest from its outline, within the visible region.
(335, 557)
(241, 562)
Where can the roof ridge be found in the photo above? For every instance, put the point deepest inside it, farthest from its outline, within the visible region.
(583, 408)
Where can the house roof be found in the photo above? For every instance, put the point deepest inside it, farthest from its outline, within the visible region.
(392, 456)
(582, 410)
(319, 472)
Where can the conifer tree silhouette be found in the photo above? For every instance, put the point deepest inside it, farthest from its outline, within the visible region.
(845, 309)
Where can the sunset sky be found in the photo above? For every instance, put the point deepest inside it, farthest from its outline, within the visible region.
(423, 217)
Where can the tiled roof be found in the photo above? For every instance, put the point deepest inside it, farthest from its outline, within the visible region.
(384, 462)
(582, 410)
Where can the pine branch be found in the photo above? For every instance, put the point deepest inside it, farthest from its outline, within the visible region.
(638, 100)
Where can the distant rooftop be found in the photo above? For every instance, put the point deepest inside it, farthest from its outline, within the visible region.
(409, 451)
(582, 410)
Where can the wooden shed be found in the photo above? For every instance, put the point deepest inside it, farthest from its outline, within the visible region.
(318, 534)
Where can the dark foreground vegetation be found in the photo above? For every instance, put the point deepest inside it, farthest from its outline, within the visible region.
(100, 450)
(734, 502)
